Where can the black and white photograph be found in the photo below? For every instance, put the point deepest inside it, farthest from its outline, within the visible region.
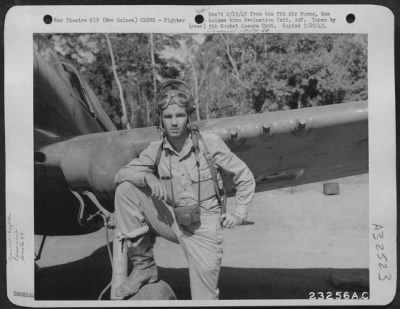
(215, 165)
(290, 111)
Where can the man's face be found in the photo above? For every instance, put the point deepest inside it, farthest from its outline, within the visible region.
(174, 120)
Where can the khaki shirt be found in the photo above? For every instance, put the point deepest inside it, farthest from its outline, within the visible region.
(180, 175)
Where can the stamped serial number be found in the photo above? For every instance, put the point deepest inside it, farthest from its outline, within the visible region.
(338, 295)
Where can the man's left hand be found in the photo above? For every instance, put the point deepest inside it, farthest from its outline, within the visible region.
(230, 220)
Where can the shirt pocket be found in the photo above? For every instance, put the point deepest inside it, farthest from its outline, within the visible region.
(202, 180)
(201, 174)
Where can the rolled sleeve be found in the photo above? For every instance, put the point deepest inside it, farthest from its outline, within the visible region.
(242, 176)
(136, 169)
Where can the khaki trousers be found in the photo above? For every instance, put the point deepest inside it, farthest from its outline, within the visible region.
(201, 242)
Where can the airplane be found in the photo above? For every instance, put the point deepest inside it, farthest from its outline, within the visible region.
(78, 150)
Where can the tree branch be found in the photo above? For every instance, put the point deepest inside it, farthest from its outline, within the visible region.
(235, 72)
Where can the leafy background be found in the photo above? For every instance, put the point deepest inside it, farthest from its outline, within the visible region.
(230, 74)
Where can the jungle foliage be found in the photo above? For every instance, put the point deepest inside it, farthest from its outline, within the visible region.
(233, 74)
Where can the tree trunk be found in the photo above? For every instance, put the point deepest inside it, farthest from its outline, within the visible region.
(125, 120)
(299, 102)
(139, 116)
(235, 72)
(147, 104)
(196, 89)
(153, 68)
(131, 103)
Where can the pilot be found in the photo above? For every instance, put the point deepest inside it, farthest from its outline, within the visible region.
(180, 172)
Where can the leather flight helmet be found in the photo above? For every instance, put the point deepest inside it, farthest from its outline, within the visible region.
(175, 91)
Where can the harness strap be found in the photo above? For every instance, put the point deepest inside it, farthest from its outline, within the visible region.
(195, 142)
(196, 137)
(214, 174)
(172, 186)
(158, 157)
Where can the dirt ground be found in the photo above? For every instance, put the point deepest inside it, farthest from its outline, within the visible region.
(297, 227)
(296, 240)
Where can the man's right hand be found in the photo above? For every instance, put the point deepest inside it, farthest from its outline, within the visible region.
(156, 186)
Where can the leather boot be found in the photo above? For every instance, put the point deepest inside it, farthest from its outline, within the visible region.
(144, 267)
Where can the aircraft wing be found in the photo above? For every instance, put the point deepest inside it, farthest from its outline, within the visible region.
(281, 148)
(294, 147)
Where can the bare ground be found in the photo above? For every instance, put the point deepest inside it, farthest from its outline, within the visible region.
(296, 240)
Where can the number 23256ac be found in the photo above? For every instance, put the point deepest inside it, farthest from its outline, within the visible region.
(338, 295)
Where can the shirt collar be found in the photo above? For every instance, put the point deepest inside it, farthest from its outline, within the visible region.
(187, 147)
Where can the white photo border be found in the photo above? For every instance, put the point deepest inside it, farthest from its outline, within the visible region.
(23, 21)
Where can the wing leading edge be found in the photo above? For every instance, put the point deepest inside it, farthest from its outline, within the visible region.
(281, 148)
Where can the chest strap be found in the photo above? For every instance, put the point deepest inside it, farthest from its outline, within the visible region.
(196, 138)
(219, 192)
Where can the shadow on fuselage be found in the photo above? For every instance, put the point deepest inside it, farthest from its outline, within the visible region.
(86, 278)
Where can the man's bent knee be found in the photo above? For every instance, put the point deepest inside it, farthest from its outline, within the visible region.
(125, 188)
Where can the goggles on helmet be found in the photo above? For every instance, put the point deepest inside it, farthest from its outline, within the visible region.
(173, 97)
(175, 92)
